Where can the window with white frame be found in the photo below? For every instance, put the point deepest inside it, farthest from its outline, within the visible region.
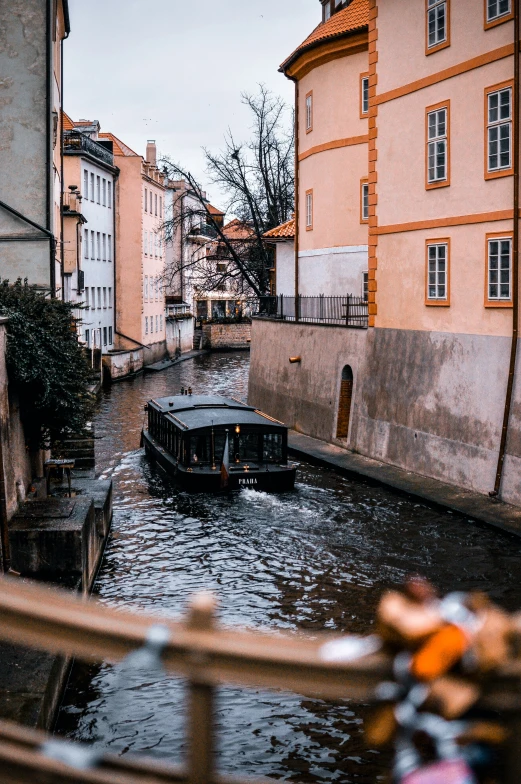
(365, 94)
(309, 210)
(109, 247)
(365, 201)
(499, 129)
(104, 296)
(436, 22)
(87, 305)
(93, 297)
(104, 247)
(109, 188)
(146, 325)
(98, 245)
(98, 190)
(160, 206)
(99, 297)
(157, 323)
(146, 200)
(152, 324)
(160, 323)
(92, 187)
(86, 243)
(87, 337)
(155, 202)
(104, 191)
(499, 268)
(150, 244)
(497, 9)
(110, 299)
(146, 243)
(309, 112)
(437, 146)
(437, 271)
(146, 288)
(110, 336)
(92, 246)
(85, 184)
(365, 286)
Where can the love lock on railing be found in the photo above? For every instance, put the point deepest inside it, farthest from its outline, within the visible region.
(445, 651)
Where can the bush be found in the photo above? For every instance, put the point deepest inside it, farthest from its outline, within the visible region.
(46, 365)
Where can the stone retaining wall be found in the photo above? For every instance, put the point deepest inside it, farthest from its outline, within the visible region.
(226, 336)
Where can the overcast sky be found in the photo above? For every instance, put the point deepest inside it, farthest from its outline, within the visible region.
(173, 70)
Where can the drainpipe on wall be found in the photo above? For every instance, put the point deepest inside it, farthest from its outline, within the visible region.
(62, 254)
(515, 261)
(49, 140)
(297, 180)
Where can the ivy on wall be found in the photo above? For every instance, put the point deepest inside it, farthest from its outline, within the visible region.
(46, 365)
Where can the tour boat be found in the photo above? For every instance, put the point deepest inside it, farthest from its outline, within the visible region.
(213, 443)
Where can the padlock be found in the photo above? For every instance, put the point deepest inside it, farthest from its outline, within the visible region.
(445, 772)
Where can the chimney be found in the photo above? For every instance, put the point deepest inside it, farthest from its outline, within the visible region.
(151, 152)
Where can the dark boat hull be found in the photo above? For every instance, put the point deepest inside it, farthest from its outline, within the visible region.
(275, 479)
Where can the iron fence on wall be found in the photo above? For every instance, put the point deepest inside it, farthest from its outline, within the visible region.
(346, 311)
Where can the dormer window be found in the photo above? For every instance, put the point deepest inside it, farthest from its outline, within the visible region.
(330, 7)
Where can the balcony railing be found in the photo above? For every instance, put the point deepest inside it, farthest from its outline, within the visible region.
(73, 141)
(347, 311)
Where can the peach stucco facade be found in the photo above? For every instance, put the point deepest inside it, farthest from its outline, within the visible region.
(429, 377)
(138, 261)
(332, 139)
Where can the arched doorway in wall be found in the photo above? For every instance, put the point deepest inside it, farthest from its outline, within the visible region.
(344, 403)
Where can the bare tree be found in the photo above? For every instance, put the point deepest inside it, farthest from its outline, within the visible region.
(257, 177)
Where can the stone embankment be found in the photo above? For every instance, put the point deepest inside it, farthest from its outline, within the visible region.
(226, 337)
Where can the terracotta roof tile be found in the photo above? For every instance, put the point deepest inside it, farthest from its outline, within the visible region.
(213, 210)
(349, 20)
(120, 148)
(285, 231)
(68, 125)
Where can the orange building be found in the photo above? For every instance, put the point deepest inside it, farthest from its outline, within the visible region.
(426, 385)
(139, 289)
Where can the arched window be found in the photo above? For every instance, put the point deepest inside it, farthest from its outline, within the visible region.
(344, 403)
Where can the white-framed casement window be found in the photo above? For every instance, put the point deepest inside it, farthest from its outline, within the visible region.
(146, 200)
(104, 244)
(155, 203)
(86, 243)
(365, 286)
(98, 190)
(104, 191)
(109, 196)
(85, 184)
(145, 242)
(146, 325)
(499, 130)
(110, 299)
(152, 324)
(309, 112)
(437, 146)
(146, 288)
(99, 297)
(98, 245)
(92, 246)
(92, 187)
(497, 9)
(87, 304)
(104, 296)
(364, 86)
(109, 247)
(309, 210)
(437, 272)
(437, 23)
(499, 269)
(364, 214)
(110, 336)
(160, 323)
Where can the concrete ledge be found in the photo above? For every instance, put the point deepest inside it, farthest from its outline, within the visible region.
(475, 505)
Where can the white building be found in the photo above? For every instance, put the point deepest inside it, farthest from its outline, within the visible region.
(89, 241)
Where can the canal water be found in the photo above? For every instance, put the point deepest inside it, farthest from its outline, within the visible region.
(316, 559)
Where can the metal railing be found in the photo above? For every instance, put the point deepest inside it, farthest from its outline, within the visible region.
(346, 311)
(74, 141)
(207, 656)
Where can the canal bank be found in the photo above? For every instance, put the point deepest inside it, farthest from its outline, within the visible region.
(473, 505)
(315, 559)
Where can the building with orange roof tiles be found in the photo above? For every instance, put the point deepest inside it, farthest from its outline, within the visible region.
(407, 146)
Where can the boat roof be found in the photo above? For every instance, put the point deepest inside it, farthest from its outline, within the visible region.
(193, 412)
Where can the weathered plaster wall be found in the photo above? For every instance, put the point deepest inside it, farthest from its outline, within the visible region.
(23, 137)
(332, 271)
(431, 403)
(285, 268)
(122, 364)
(179, 333)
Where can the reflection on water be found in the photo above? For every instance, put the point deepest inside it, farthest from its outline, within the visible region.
(315, 559)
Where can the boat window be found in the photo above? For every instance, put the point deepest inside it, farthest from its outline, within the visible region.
(246, 447)
(272, 449)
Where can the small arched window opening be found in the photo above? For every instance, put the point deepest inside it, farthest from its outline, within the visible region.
(344, 403)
